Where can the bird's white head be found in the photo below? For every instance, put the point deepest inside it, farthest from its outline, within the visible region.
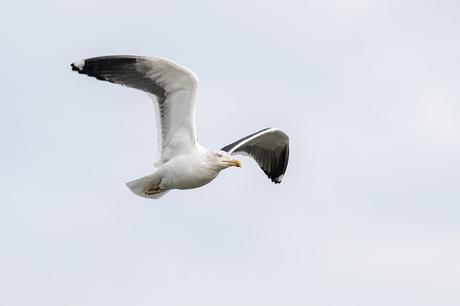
(221, 160)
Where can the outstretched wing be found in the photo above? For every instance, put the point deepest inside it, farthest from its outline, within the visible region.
(269, 147)
(171, 86)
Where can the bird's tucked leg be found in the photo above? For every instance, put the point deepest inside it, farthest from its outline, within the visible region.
(148, 186)
(154, 189)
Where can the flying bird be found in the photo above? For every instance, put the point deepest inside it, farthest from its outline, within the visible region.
(182, 162)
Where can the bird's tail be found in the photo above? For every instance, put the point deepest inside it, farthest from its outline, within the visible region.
(143, 187)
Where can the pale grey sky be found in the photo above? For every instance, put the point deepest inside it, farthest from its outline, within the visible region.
(368, 212)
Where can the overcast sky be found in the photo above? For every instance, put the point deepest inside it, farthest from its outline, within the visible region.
(368, 212)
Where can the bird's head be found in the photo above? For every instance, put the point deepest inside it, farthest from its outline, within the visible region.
(222, 159)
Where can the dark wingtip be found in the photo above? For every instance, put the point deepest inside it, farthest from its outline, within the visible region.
(277, 174)
(78, 66)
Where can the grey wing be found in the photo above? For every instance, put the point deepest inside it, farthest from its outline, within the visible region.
(270, 149)
(171, 86)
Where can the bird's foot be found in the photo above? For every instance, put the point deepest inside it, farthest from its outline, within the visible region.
(153, 190)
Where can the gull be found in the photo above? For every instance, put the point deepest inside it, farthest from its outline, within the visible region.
(182, 162)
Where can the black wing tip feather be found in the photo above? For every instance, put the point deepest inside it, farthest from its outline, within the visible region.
(276, 175)
(89, 72)
(98, 67)
(122, 70)
(74, 67)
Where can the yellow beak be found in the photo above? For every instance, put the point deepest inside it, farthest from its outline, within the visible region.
(234, 162)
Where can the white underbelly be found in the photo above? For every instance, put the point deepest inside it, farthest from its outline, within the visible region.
(180, 174)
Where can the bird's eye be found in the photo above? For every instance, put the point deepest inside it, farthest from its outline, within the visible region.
(219, 155)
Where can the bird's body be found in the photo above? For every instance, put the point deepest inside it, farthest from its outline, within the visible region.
(183, 163)
(188, 171)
